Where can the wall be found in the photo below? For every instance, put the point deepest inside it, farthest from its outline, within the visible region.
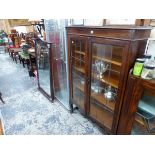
(19, 22)
(29, 29)
(5, 25)
(151, 48)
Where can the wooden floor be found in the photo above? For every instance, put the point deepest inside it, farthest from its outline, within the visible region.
(1, 128)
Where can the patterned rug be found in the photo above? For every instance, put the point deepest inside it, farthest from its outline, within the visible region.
(28, 112)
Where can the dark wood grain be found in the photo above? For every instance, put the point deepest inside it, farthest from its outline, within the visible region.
(133, 40)
(112, 32)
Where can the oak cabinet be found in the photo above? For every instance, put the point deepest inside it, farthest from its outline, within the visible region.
(99, 61)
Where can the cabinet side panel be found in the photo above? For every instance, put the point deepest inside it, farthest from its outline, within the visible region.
(139, 34)
(129, 107)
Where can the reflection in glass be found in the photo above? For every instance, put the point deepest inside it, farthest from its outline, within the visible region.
(144, 123)
(56, 34)
(43, 66)
(105, 72)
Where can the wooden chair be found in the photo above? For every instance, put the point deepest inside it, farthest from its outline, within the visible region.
(13, 52)
(24, 58)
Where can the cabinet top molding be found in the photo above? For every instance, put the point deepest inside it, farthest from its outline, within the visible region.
(126, 33)
(125, 27)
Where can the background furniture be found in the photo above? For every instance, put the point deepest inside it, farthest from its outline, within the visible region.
(1, 128)
(99, 61)
(14, 52)
(44, 68)
(1, 97)
(3, 38)
(1, 125)
(29, 38)
(24, 55)
(32, 59)
(15, 38)
(138, 110)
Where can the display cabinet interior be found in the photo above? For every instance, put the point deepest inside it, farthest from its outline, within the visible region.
(139, 118)
(78, 55)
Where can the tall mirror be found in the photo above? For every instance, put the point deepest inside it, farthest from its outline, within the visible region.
(43, 52)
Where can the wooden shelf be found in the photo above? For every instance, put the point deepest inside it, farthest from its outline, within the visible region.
(80, 87)
(78, 59)
(113, 82)
(143, 125)
(108, 60)
(100, 98)
(80, 69)
(138, 122)
(79, 52)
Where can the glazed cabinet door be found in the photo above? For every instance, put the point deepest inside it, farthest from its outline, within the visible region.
(107, 76)
(78, 71)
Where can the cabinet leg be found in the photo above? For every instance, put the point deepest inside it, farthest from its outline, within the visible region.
(71, 107)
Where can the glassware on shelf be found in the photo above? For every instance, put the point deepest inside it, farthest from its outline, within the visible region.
(147, 58)
(78, 72)
(138, 67)
(104, 69)
(97, 65)
(148, 70)
(96, 88)
(82, 82)
(110, 94)
(101, 68)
